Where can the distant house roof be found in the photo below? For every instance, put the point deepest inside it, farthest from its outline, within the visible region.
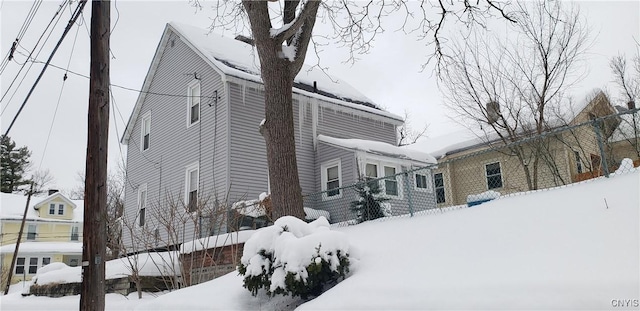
(465, 139)
(628, 129)
(380, 148)
(13, 207)
(238, 59)
(44, 247)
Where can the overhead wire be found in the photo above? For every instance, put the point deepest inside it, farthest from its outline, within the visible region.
(58, 15)
(64, 80)
(25, 25)
(64, 34)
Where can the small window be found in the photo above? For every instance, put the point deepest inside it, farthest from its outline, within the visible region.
(494, 175)
(192, 188)
(390, 181)
(146, 131)
(33, 265)
(20, 265)
(74, 233)
(579, 168)
(438, 182)
(52, 209)
(60, 209)
(31, 232)
(331, 179)
(193, 102)
(422, 182)
(46, 261)
(142, 205)
(371, 171)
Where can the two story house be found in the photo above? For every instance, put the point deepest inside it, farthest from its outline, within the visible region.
(52, 232)
(194, 147)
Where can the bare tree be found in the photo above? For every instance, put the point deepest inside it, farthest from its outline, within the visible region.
(629, 85)
(115, 206)
(407, 134)
(282, 31)
(506, 89)
(41, 180)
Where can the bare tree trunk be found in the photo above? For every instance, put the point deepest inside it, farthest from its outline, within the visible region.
(279, 136)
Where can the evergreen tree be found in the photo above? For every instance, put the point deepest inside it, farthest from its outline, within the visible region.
(369, 204)
(14, 162)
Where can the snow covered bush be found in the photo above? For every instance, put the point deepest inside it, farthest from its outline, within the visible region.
(294, 257)
(370, 204)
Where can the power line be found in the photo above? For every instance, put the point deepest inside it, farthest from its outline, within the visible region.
(53, 120)
(77, 13)
(120, 86)
(25, 25)
(31, 53)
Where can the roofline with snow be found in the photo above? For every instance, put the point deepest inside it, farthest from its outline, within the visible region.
(298, 87)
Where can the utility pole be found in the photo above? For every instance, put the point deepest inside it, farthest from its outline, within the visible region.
(95, 188)
(15, 250)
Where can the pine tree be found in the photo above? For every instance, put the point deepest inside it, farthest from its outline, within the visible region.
(14, 163)
(369, 204)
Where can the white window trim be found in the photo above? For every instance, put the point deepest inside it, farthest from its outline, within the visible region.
(35, 236)
(324, 178)
(380, 165)
(54, 209)
(190, 102)
(60, 206)
(429, 181)
(142, 188)
(190, 168)
(486, 177)
(71, 234)
(146, 116)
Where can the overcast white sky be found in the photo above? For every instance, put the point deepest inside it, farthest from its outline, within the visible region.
(390, 75)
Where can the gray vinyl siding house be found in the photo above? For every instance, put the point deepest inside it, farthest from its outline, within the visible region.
(194, 132)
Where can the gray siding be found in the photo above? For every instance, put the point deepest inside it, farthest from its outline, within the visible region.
(341, 124)
(337, 207)
(173, 146)
(248, 166)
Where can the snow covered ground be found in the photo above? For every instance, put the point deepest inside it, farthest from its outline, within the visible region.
(576, 247)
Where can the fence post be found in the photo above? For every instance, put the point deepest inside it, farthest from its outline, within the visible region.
(603, 157)
(407, 187)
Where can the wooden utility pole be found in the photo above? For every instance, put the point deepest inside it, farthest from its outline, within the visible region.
(95, 188)
(15, 250)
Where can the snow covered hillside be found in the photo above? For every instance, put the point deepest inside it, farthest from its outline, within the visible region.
(576, 247)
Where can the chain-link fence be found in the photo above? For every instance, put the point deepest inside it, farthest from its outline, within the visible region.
(480, 172)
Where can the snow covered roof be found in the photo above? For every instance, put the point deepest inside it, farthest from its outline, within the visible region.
(238, 59)
(13, 207)
(234, 58)
(44, 247)
(378, 147)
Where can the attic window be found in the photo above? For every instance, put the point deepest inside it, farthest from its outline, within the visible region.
(61, 209)
(52, 209)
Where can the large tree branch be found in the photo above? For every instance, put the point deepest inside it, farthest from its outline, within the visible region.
(309, 11)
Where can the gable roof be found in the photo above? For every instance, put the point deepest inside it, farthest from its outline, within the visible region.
(380, 148)
(234, 58)
(55, 195)
(13, 207)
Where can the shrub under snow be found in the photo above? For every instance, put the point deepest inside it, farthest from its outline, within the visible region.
(295, 257)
